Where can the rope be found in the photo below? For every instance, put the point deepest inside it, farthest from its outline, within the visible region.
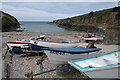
(64, 68)
(51, 71)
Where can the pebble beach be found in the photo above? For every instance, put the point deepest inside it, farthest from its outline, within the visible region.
(21, 63)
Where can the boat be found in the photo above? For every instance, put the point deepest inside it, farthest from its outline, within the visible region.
(37, 41)
(59, 56)
(100, 66)
(39, 37)
(28, 44)
(90, 37)
(43, 41)
(21, 47)
(20, 29)
(57, 44)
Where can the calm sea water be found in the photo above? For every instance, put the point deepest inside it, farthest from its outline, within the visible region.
(42, 27)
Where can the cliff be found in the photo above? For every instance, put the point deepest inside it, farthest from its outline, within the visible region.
(104, 21)
(9, 23)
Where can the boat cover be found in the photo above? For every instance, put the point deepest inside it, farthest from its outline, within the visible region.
(76, 50)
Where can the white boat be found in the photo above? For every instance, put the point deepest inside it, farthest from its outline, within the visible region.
(29, 44)
(40, 37)
(24, 43)
(21, 47)
(100, 66)
(90, 37)
(18, 44)
(57, 45)
(43, 44)
(62, 55)
(42, 41)
(38, 41)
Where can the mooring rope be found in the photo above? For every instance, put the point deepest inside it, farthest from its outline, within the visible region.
(31, 75)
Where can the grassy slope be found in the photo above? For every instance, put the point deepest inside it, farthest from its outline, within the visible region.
(105, 19)
(9, 22)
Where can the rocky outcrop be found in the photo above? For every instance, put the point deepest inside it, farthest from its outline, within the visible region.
(9, 23)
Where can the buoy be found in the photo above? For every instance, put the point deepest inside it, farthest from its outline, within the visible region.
(75, 36)
(17, 38)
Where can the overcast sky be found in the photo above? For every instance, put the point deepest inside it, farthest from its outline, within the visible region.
(49, 11)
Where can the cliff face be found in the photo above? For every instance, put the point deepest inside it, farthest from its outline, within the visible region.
(100, 20)
(9, 23)
(103, 21)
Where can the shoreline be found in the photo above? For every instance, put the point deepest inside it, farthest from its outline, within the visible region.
(21, 63)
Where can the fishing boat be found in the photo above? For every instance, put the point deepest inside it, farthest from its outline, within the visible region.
(59, 56)
(42, 41)
(24, 43)
(28, 44)
(90, 37)
(21, 47)
(57, 44)
(100, 66)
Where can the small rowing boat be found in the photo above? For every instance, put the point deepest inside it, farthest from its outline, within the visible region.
(100, 66)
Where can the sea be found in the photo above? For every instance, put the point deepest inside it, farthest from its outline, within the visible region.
(42, 27)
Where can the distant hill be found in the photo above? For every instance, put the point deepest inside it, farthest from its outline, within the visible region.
(9, 23)
(103, 21)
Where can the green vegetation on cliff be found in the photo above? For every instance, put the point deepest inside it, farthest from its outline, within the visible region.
(100, 20)
(9, 23)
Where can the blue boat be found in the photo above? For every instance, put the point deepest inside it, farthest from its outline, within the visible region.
(20, 47)
(59, 56)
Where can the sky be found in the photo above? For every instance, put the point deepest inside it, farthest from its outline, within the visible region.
(49, 11)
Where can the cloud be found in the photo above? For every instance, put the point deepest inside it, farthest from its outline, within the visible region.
(64, 7)
(22, 13)
(48, 11)
(60, 0)
(0, 6)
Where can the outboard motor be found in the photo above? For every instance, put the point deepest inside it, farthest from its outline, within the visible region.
(91, 45)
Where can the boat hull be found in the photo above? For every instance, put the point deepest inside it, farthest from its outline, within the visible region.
(103, 66)
(93, 38)
(59, 59)
(19, 47)
(57, 45)
(104, 73)
(23, 45)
